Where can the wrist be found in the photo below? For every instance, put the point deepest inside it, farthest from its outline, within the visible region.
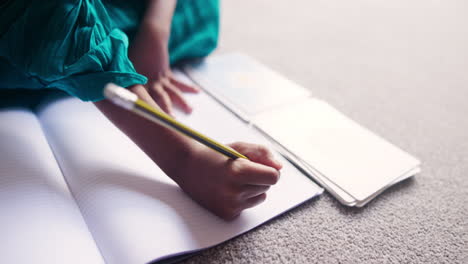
(160, 31)
(183, 157)
(158, 16)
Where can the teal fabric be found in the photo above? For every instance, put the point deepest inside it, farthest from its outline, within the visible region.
(80, 45)
(195, 28)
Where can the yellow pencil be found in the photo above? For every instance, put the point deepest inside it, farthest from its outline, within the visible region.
(128, 100)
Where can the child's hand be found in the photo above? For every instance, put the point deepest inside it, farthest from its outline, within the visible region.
(224, 186)
(150, 56)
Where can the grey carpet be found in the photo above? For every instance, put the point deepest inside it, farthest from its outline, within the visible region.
(399, 68)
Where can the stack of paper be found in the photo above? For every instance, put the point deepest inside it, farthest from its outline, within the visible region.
(352, 163)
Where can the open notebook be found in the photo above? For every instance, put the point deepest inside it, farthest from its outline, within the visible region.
(351, 162)
(74, 189)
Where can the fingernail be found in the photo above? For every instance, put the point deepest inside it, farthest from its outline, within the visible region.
(277, 162)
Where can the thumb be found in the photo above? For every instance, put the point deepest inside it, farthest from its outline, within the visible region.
(257, 153)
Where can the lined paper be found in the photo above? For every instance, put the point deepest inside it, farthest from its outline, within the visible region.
(135, 212)
(40, 222)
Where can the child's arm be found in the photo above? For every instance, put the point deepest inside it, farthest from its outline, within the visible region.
(223, 186)
(149, 54)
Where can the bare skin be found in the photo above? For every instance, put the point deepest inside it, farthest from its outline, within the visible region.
(150, 56)
(224, 186)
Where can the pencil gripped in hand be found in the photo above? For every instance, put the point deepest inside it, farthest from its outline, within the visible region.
(130, 101)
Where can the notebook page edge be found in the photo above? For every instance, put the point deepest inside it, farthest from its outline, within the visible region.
(258, 123)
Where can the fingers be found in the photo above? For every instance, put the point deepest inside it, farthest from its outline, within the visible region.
(246, 172)
(159, 94)
(231, 212)
(224, 186)
(247, 196)
(176, 96)
(257, 153)
(182, 86)
(143, 94)
(249, 191)
(166, 90)
(254, 201)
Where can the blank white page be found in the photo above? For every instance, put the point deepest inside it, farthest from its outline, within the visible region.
(350, 156)
(135, 212)
(40, 222)
(245, 85)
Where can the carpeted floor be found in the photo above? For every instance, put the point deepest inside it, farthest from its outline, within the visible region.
(399, 68)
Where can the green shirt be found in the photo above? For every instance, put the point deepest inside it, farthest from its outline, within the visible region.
(80, 45)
